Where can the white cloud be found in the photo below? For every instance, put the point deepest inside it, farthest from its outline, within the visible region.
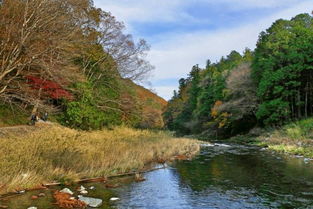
(145, 10)
(177, 53)
(174, 54)
(165, 91)
(243, 4)
(175, 10)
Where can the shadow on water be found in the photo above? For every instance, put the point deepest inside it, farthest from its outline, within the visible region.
(220, 176)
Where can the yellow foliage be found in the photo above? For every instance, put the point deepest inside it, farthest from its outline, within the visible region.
(214, 110)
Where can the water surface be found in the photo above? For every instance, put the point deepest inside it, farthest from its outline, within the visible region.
(225, 177)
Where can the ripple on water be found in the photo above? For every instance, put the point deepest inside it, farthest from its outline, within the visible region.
(225, 177)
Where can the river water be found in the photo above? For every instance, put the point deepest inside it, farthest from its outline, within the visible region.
(226, 176)
(221, 176)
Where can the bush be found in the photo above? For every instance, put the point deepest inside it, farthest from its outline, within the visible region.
(84, 113)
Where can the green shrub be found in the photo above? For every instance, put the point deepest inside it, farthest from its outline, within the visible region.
(84, 112)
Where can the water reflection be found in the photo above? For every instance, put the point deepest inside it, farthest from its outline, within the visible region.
(225, 177)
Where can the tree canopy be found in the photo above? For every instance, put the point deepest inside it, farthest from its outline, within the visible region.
(268, 86)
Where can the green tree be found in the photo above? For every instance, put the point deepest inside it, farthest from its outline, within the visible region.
(282, 69)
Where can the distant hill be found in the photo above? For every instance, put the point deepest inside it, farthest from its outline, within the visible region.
(152, 106)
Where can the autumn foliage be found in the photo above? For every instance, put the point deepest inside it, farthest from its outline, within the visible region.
(50, 88)
(63, 200)
(68, 57)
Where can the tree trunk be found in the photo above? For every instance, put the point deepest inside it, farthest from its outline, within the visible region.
(299, 104)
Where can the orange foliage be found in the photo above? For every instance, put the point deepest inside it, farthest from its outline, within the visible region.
(221, 118)
(63, 201)
(214, 110)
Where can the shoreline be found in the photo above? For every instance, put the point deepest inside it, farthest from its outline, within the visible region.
(55, 154)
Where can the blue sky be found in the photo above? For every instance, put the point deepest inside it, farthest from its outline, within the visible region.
(183, 33)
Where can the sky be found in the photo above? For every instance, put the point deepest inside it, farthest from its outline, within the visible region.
(183, 33)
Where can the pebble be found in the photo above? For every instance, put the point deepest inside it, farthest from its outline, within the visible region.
(67, 190)
(32, 207)
(34, 197)
(114, 198)
(84, 192)
(82, 188)
(41, 194)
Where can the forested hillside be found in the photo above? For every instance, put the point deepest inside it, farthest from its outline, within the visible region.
(74, 61)
(270, 86)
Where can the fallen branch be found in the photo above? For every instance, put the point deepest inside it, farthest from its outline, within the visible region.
(104, 179)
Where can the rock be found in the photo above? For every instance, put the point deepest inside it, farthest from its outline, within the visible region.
(67, 191)
(21, 192)
(114, 198)
(306, 160)
(81, 188)
(32, 207)
(92, 187)
(84, 192)
(90, 201)
(139, 177)
(41, 194)
(34, 197)
(72, 198)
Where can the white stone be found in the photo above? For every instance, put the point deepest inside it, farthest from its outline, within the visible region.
(114, 198)
(32, 208)
(90, 201)
(84, 192)
(67, 190)
(82, 188)
(92, 187)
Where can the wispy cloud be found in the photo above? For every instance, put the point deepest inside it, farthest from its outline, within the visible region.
(144, 11)
(176, 49)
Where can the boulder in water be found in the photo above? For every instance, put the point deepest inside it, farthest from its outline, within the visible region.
(90, 201)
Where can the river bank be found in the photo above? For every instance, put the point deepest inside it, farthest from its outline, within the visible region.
(52, 153)
(295, 138)
(228, 176)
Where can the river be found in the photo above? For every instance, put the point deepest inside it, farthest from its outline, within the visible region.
(221, 176)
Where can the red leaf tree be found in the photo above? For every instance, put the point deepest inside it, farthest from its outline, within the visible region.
(50, 88)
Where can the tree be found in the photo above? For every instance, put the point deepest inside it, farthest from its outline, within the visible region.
(282, 69)
(36, 39)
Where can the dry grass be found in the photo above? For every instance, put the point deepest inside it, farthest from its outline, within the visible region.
(55, 153)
